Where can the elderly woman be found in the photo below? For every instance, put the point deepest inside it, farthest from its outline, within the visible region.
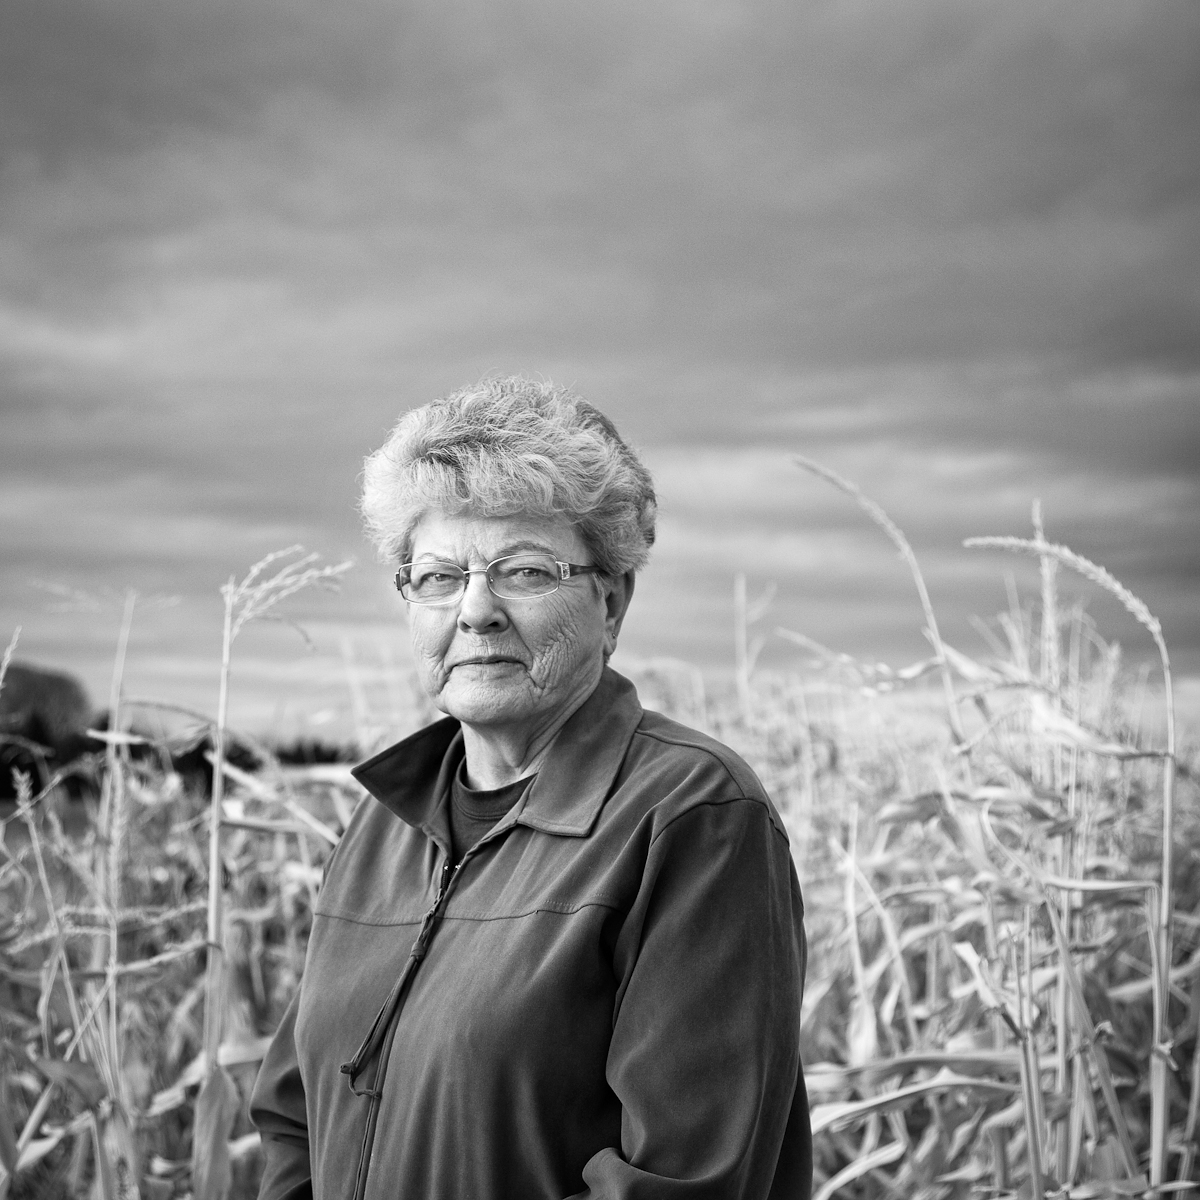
(560, 952)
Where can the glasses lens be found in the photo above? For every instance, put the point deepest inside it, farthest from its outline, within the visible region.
(523, 575)
(431, 582)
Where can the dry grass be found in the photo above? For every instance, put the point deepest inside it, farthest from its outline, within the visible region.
(999, 1002)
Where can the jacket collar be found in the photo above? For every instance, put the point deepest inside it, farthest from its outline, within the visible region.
(570, 789)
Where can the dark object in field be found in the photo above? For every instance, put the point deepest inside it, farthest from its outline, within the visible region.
(306, 751)
(190, 759)
(187, 755)
(44, 718)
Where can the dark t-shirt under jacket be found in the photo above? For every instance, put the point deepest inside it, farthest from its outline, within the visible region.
(475, 811)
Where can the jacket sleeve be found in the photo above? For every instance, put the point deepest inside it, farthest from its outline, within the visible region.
(704, 1056)
(278, 1111)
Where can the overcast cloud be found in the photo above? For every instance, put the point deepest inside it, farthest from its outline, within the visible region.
(949, 249)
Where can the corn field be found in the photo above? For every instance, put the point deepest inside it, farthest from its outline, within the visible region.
(1003, 907)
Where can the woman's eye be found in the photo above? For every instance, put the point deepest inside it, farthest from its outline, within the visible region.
(432, 578)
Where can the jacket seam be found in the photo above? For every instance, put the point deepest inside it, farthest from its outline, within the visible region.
(561, 910)
(764, 805)
(416, 919)
(691, 745)
(564, 910)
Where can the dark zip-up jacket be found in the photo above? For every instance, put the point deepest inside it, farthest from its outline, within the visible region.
(602, 1000)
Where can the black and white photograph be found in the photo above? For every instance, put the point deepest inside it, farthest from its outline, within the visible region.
(599, 601)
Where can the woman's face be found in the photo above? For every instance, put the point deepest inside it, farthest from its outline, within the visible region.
(495, 662)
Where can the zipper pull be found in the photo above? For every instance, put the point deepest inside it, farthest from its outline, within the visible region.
(425, 933)
(444, 882)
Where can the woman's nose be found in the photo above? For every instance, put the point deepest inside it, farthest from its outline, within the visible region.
(479, 611)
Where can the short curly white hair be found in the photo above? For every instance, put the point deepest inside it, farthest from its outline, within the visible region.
(510, 446)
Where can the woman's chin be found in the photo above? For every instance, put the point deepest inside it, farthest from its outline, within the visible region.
(487, 702)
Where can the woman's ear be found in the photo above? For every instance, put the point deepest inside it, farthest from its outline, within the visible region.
(618, 593)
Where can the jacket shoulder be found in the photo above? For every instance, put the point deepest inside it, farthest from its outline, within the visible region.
(680, 768)
(690, 751)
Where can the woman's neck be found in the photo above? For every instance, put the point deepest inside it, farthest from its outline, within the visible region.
(497, 755)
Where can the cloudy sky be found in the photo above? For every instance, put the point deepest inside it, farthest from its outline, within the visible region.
(949, 249)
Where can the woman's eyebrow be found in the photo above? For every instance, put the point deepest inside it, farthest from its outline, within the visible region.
(502, 552)
(517, 547)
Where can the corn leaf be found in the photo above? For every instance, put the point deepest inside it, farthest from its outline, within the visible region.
(8, 1143)
(1007, 1118)
(862, 1042)
(989, 993)
(924, 807)
(1100, 1188)
(841, 1114)
(827, 1076)
(115, 737)
(216, 1111)
(1049, 725)
(973, 1172)
(968, 668)
(106, 1184)
(35, 1151)
(881, 1157)
(118, 1152)
(76, 1074)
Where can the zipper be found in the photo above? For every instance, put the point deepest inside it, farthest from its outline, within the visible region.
(377, 1045)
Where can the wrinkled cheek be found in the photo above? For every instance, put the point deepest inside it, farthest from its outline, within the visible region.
(557, 657)
(428, 649)
(429, 668)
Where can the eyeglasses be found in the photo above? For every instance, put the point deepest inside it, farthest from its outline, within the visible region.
(514, 577)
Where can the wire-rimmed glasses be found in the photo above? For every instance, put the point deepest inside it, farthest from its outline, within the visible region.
(527, 576)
